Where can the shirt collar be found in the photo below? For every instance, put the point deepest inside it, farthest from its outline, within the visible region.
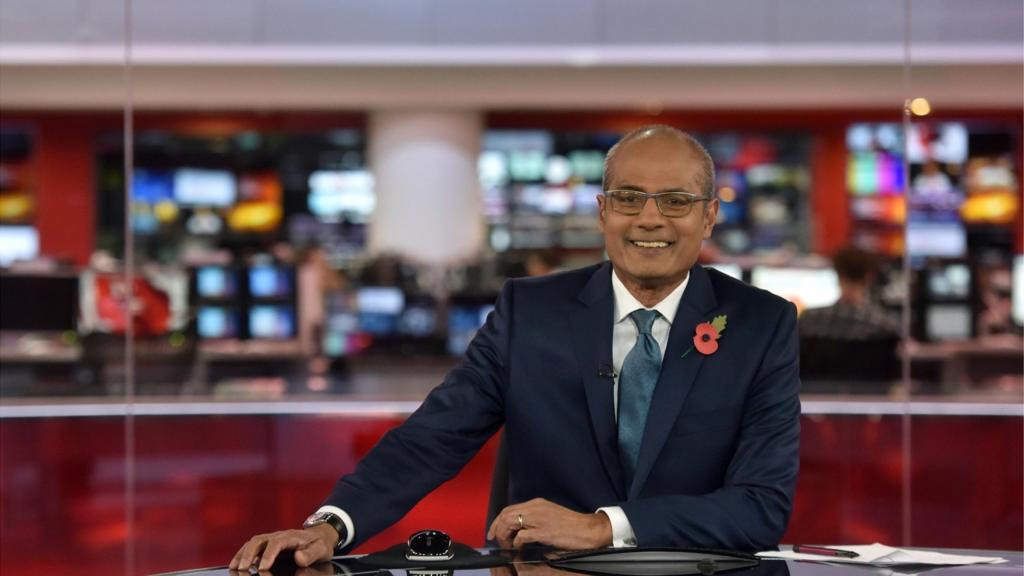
(626, 303)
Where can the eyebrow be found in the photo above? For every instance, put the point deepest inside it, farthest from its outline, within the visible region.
(636, 188)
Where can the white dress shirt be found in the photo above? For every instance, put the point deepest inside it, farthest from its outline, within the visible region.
(624, 335)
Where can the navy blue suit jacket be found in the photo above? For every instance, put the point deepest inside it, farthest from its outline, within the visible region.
(719, 457)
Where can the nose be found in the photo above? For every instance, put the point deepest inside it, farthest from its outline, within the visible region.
(650, 216)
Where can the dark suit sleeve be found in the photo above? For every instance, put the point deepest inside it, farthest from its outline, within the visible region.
(751, 510)
(437, 440)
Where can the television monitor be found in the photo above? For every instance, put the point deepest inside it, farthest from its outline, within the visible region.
(259, 207)
(527, 165)
(334, 194)
(38, 303)
(949, 282)
(556, 200)
(948, 322)
(938, 239)
(946, 143)
(216, 282)
(465, 317)
(874, 173)
(271, 321)
(217, 322)
(18, 243)
(492, 167)
(806, 287)
(341, 334)
(379, 308)
(418, 320)
(587, 165)
(152, 186)
(270, 281)
(160, 303)
(202, 187)
(1017, 289)
(584, 198)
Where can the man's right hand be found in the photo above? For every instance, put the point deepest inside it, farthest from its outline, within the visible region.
(311, 545)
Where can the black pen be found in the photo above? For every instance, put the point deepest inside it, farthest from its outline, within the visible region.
(822, 551)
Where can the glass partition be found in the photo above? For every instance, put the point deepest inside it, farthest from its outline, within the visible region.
(65, 303)
(223, 279)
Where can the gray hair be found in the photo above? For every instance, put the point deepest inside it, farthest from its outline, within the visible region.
(706, 176)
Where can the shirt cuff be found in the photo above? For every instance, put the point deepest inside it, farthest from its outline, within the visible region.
(350, 529)
(622, 530)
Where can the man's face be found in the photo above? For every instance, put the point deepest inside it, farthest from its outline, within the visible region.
(655, 164)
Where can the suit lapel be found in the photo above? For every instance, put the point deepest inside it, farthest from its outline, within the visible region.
(677, 373)
(592, 339)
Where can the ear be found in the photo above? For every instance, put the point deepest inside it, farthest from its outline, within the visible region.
(601, 207)
(710, 217)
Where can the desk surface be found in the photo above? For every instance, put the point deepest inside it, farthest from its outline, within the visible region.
(532, 564)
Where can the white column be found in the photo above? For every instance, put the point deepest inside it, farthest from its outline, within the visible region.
(428, 193)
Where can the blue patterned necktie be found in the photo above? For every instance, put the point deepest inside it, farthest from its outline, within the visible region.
(636, 387)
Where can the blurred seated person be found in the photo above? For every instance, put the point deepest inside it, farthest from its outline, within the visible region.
(854, 340)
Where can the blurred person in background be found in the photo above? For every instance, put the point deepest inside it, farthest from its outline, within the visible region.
(854, 342)
(646, 400)
(854, 316)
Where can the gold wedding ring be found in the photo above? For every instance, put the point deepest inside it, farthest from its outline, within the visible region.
(521, 526)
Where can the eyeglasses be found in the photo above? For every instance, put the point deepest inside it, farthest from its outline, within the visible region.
(670, 204)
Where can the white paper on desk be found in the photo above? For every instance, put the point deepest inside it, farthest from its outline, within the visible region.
(881, 555)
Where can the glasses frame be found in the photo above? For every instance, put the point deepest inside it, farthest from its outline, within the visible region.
(693, 199)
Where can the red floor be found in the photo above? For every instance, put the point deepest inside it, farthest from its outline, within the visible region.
(205, 484)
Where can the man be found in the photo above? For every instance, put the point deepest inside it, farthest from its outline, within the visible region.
(854, 342)
(854, 316)
(623, 424)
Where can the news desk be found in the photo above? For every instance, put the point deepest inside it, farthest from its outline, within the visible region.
(531, 563)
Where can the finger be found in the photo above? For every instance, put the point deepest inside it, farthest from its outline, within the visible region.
(502, 528)
(312, 552)
(280, 541)
(251, 551)
(524, 537)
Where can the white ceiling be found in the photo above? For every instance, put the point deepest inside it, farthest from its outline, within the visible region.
(502, 54)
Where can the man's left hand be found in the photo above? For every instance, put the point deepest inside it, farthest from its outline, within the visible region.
(545, 522)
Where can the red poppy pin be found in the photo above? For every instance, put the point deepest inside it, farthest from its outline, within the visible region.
(706, 338)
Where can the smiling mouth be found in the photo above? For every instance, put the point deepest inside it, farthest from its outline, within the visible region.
(652, 244)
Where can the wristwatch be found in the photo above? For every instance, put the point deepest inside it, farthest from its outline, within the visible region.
(318, 518)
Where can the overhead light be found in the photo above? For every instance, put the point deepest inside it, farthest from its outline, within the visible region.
(920, 107)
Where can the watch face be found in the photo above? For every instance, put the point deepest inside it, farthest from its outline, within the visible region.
(314, 519)
(429, 543)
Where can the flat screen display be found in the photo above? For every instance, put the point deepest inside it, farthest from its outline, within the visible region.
(379, 308)
(200, 187)
(272, 321)
(948, 322)
(216, 322)
(939, 239)
(418, 320)
(1018, 290)
(18, 243)
(38, 303)
(216, 282)
(806, 287)
(463, 322)
(152, 186)
(951, 282)
(268, 281)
